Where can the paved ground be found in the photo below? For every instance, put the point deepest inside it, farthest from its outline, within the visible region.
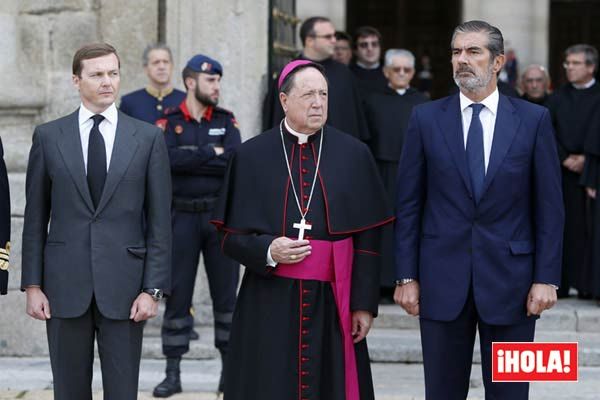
(30, 379)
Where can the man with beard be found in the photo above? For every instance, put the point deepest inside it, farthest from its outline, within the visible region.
(345, 103)
(534, 84)
(148, 104)
(479, 219)
(304, 210)
(367, 65)
(387, 114)
(200, 139)
(574, 108)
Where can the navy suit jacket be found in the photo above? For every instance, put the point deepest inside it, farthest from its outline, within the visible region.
(498, 247)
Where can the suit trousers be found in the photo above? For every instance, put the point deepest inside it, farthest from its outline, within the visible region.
(448, 355)
(71, 344)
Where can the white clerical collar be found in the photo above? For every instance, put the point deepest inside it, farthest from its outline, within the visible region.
(490, 102)
(585, 85)
(374, 66)
(110, 114)
(302, 137)
(401, 92)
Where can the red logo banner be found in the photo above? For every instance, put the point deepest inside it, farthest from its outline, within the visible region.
(534, 361)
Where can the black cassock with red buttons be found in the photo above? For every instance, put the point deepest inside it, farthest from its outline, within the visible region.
(286, 341)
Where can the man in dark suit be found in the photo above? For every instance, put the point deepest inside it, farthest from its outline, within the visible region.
(479, 219)
(97, 233)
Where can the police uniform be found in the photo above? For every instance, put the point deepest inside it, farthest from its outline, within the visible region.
(4, 223)
(149, 104)
(197, 176)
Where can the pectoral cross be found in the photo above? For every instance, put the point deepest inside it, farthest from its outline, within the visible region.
(302, 226)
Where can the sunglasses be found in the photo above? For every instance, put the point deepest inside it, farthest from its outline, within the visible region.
(406, 70)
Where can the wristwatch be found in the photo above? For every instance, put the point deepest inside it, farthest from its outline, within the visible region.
(156, 294)
(402, 282)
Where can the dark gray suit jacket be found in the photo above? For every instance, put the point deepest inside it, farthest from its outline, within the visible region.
(74, 251)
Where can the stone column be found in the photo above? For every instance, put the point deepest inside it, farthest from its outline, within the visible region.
(334, 10)
(524, 24)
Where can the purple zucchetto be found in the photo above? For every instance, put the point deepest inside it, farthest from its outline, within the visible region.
(289, 68)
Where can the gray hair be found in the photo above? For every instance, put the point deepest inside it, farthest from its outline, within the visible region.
(391, 53)
(590, 52)
(155, 46)
(539, 68)
(495, 40)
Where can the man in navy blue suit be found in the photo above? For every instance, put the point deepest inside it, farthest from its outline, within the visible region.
(479, 219)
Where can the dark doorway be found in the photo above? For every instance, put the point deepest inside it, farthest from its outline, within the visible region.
(571, 22)
(422, 26)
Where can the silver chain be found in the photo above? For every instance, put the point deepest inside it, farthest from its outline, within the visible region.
(287, 164)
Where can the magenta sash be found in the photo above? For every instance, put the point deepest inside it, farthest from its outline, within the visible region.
(332, 262)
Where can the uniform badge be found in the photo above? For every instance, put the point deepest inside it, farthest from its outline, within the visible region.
(179, 129)
(216, 132)
(206, 66)
(162, 124)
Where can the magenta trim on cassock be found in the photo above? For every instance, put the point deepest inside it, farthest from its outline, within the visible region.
(332, 262)
(289, 67)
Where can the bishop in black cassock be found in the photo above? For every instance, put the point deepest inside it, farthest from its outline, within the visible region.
(292, 334)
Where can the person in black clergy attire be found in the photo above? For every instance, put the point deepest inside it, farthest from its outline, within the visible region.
(535, 82)
(303, 208)
(343, 48)
(574, 108)
(345, 103)
(200, 138)
(4, 224)
(388, 113)
(367, 65)
(148, 104)
(590, 178)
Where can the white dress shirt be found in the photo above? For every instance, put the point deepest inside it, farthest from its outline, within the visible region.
(108, 130)
(487, 116)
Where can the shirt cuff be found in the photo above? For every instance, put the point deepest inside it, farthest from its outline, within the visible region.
(270, 261)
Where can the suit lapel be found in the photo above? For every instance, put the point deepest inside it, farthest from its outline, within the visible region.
(123, 150)
(70, 149)
(507, 124)
(450, 124)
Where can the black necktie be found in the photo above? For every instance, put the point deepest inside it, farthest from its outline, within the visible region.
(96, 161)
(475, 153)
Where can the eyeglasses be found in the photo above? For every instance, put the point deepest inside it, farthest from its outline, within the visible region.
(364, 45)
(329, 36)
(568, 64)
(406, 70)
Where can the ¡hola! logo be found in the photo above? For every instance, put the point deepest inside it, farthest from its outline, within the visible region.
(530, 361)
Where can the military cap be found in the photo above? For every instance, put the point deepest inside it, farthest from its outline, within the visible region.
(202, 63)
